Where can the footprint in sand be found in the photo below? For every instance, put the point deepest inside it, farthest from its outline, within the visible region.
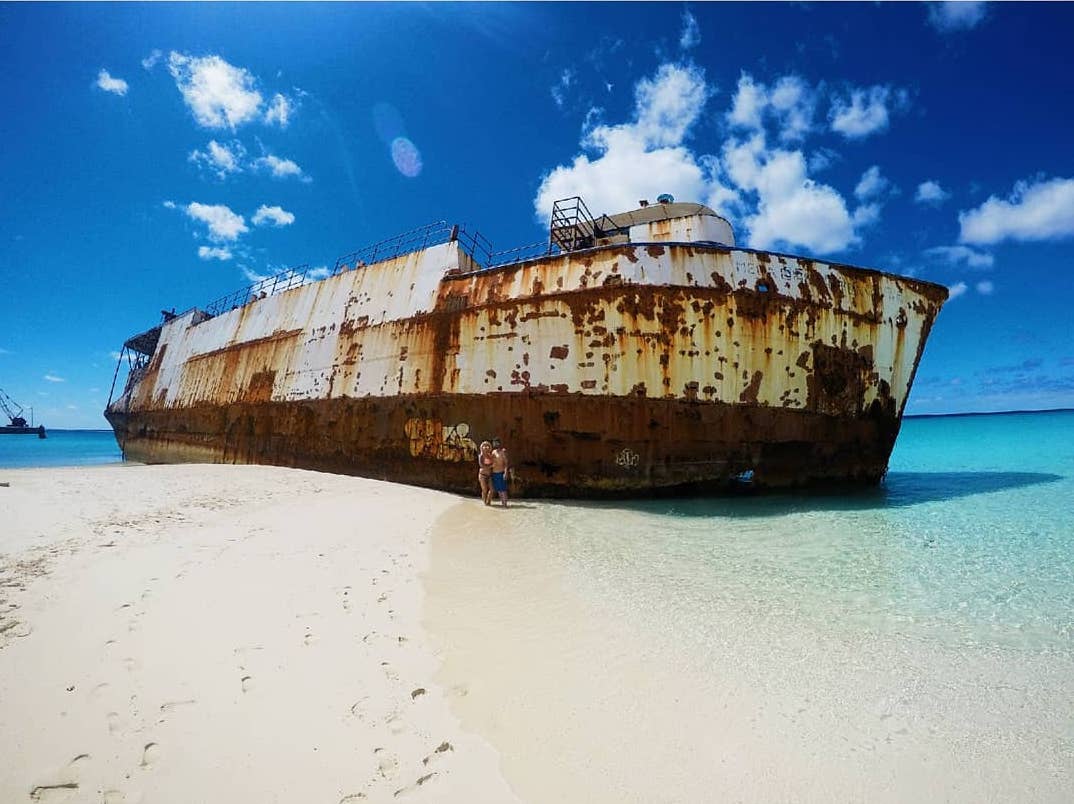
(387, 765)
(395, 724)
(62, 790)
(309, 639)
(438, 755)
(168, 707)
(115, 723)
(53, 792)
(19, 629)
(113, 797)
(150, 755)
(389, 672)
(247, 683)
(131, 664)
(99, 690)
(408, 791)
(358, 708)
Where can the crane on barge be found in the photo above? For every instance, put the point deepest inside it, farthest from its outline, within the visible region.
(16, 421)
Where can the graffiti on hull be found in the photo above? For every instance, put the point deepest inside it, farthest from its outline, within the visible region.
(431, 438)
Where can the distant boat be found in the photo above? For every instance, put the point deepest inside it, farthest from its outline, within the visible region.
(16, 422)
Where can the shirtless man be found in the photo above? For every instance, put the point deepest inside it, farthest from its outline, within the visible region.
(500, 465)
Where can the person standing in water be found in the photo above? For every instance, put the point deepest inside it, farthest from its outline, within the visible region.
(484, 471)
(500, 465)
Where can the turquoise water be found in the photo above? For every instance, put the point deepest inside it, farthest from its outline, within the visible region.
(61, 448)
(969, 540)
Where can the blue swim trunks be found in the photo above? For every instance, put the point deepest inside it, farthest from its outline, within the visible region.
(499, 482)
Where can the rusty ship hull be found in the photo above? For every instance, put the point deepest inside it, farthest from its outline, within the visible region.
(668, 362)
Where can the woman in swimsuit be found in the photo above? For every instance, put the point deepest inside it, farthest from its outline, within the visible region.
(484, 471)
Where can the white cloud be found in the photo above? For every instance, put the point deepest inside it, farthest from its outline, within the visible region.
(792, 209)
(221, 158)
(214, 253)
(962, 254)
(559, 91)
(218, 94)
(865, 112)
(1043, 210)
(150, 61)
(280, 168)
(691, 31)
(956, 290)
(956, 16)
(274, 216)
(54, 378)
(279, 110)
(117, 86)
(866, 215)
(871, 184)
(223, 224)
(644, 157)
(791, 102)
(252, 275)
(668, 104)
(930, 192)
(749, 103)
(767, 188)
(985, 288)
(169, 205)
(822, 159)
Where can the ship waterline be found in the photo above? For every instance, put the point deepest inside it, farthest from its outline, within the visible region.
(620, 369)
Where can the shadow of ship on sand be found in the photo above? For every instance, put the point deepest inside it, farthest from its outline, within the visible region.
(899, 489)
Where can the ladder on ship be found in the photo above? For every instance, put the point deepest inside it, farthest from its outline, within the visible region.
(572, 225)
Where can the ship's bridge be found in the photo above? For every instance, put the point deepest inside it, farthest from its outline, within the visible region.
(573, 227)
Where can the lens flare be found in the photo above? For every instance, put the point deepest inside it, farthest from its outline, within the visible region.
(406, 156)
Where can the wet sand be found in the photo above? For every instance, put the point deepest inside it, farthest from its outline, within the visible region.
(222, 634)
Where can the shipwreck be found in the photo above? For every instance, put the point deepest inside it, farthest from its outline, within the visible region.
(628, 355)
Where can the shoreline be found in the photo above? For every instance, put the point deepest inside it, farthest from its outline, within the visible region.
(223, 633)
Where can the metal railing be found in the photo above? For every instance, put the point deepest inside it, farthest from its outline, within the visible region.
(473, 243)
(269, 286)
(433, 234)
(531, 251)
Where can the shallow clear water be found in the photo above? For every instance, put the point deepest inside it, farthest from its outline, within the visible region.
(60, 448)
(971, 538)
(910, 642)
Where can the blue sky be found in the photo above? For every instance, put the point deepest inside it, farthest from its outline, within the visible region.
(158, 156)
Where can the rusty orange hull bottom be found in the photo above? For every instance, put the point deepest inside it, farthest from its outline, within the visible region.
(560, 445)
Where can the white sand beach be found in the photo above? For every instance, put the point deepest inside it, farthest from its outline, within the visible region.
(259, 634)
(222, 634)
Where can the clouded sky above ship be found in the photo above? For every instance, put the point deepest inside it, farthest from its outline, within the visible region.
(162, 156)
